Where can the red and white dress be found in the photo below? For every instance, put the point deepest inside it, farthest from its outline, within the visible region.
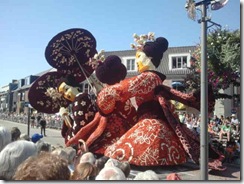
(152, 140)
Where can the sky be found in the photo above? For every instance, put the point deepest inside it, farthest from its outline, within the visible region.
(26, 27)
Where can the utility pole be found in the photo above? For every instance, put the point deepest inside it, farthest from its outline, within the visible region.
(204, 143)
(204, 96)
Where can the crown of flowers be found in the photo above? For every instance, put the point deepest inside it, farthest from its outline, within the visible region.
(96, 59)
(141, 40)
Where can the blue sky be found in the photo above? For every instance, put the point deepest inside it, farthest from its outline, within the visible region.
(26, 27)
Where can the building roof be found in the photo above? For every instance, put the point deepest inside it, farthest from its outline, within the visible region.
(164, 66)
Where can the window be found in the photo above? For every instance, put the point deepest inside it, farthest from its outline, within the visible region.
(130, 64)
(179, 61)
(27, 80)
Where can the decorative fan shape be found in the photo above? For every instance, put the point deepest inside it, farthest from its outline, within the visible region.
(70, 49)
(43, 95)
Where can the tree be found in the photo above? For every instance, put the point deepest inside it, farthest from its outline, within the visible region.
(223, 57)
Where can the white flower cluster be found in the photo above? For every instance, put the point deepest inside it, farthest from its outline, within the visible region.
(141, 40)
(97, 58)
(53, 93)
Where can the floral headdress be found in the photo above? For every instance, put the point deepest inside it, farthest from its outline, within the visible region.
(96, 59)
(141, 40)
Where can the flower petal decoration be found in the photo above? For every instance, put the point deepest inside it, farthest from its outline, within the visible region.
(44, 96)
(70, 49)
(77, 73)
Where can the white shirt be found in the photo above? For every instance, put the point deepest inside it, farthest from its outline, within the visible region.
(235, 121)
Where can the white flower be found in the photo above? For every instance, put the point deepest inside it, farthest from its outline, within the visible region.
(53, 93)
(80, 113)
(83, 103)
(135, 35)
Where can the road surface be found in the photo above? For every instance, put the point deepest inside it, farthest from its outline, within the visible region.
(188, 171)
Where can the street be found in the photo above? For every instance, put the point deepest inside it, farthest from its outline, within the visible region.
(188, 171)
(53, 136)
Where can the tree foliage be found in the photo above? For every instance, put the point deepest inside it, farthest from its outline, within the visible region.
(223, 57)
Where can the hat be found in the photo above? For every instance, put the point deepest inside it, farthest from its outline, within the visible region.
(43, 95)
(233, 115)
(36, 137)
(111, 71)
(151, 47)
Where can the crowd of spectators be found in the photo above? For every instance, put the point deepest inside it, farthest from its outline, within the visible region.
(52, 121)
(225, 131)
(30, 158)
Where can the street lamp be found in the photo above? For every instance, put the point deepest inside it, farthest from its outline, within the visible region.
(191, 8)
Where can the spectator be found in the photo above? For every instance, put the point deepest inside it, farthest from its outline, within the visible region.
(124, 165)
(196, 124)
(43, 146)
(222, 119)
(43, 124)
(13, 155)
(147, 175)
(60, 152)
(225, 130)
(38, 118)
(85, 171)
(111, 173)
(36, 137)
(71, 153)
(217, 120)
(5, 137)
(173, 176)
(235, 122)
(15, 133)
(215, 129)
(188, 121)
(100, 162)
(210, 127)
(32, 120)
(24, 137)
(237, 147)
(234, 132)
(230, 150)
(182, 117)
(45, 166)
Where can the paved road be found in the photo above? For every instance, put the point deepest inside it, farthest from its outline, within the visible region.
(53, 136)
(188, 171)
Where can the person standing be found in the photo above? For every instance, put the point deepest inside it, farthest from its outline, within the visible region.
(38, 118)
(43, 124)
(235, 122)
(32, 121)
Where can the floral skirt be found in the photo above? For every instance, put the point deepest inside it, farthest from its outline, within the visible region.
(150, 142)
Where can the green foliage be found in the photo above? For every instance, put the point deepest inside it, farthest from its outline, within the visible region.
(223, 57)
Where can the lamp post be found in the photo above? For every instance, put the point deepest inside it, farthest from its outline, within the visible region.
(204, 94)
(190, 6)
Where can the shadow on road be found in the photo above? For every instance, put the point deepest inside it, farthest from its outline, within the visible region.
(230, 172)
